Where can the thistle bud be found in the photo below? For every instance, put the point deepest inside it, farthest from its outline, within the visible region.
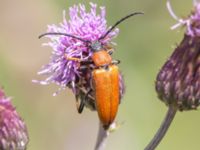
(13, 131)
(178, 82)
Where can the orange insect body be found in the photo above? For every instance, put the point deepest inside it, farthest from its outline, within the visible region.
(105, 79)
(106, 84)
(101, 58)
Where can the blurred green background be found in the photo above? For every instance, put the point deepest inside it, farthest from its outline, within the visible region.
(144, 44)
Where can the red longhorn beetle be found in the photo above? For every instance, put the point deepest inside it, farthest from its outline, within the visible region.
(104, 76)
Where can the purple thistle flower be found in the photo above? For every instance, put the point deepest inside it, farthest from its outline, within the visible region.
(86, 25)
(13, 131)
(192, 22)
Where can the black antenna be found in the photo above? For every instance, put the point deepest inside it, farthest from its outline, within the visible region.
(118, 22)
(65, 34)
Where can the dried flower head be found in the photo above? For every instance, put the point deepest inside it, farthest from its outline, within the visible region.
(89, 26)
(13, 131)
(178, 82)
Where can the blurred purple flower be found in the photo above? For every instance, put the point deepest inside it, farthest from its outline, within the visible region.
(192, 22)
(13, 131)
(86, 25)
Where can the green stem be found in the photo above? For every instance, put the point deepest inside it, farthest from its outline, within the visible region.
(163, 129)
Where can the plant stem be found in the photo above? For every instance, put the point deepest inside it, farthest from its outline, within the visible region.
(163, 128)
(101, 138)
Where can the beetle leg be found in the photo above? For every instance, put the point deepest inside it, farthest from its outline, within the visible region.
(86, 67)
(116, 62)
(83, 62)
(86, 62)
(81, 106)
(83, 100)
(110, 51)
(83, 67)
(72, 58)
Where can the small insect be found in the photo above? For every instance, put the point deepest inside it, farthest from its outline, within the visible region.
(102, 75)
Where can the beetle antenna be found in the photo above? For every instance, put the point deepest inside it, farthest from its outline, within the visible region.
(120, 21)
(65, 34)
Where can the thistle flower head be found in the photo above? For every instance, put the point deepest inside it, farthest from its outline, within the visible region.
(86, 25)
(192, 22)
(13, 132)
(178, 82)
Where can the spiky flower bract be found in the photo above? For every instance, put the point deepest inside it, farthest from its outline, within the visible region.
(13, 131)
(86, 25)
